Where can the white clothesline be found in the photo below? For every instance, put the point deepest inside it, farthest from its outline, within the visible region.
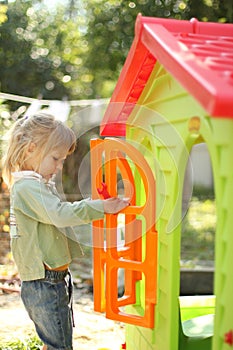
(30, 100)
(59, 108)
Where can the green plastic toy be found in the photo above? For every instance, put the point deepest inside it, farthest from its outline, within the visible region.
(176, 90)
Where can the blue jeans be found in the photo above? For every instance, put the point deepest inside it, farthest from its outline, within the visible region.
(49, 305)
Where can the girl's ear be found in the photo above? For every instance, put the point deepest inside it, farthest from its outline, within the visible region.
(31, 147)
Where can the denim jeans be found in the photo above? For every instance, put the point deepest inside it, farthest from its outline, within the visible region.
(49, 305)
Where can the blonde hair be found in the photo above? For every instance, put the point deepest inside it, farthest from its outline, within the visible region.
(43, 130)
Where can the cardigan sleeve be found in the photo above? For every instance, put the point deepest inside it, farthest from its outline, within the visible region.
(33, 199)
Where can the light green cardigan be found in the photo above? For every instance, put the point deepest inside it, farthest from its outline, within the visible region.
(41, 225)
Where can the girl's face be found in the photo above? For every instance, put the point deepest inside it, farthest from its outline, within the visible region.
(51, 164)
(48, 166)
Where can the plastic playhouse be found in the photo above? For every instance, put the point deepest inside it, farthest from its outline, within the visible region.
(175, 90)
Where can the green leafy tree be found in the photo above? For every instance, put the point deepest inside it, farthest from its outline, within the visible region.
(3, 11)
(110, 34)
(41, 53)
(111, 31)
(21, 72)
(77, 49)
(211, 10)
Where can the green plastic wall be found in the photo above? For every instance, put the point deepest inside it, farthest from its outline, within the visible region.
(166, 123)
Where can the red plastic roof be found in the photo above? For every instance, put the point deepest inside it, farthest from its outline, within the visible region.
(198, 54)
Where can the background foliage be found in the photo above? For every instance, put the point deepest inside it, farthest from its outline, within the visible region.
(76, 49)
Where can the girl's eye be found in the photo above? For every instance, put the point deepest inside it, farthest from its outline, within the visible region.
(56, 159)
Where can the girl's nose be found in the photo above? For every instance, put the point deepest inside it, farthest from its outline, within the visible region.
(60, 165)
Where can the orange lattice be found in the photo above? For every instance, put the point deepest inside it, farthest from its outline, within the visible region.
(108, 157)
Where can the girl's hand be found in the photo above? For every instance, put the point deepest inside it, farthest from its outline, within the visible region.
(114, 204)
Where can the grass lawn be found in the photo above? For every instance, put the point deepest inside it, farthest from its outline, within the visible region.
(198, 232)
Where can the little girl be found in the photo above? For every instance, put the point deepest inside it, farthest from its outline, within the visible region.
(43, 242)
